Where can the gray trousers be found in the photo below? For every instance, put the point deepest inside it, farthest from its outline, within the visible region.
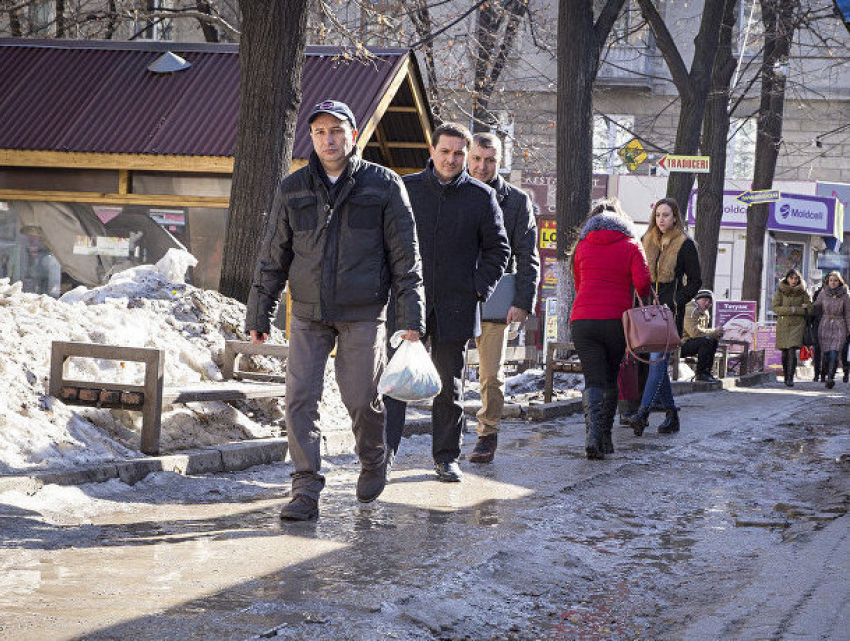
(359, 363)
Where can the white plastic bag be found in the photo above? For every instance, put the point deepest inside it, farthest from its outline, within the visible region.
(410, 375)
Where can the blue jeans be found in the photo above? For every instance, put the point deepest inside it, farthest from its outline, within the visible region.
(658, 391)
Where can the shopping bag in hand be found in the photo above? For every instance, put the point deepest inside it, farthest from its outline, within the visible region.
(410, 375)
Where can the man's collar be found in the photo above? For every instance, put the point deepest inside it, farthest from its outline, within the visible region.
(454, 182)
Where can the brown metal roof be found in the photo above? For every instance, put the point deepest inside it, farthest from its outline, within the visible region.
(99, 97)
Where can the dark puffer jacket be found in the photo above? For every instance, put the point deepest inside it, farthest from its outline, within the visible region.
(521, 228)
(464, 248)
(340, 261)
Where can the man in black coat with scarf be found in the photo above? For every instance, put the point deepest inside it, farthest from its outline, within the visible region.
(464, 251)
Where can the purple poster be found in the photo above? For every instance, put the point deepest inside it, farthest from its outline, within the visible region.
(738, 320)
(766, 340)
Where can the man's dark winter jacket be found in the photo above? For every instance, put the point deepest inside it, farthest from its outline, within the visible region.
(340, 258)
(521, 228)
(464, 248)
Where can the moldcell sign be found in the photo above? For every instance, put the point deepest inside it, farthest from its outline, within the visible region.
(794, 213)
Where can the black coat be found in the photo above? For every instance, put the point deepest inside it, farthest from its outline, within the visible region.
(464, 248)
(341, 260)
(521, 228)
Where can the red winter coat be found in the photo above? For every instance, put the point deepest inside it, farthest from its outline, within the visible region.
(607, 263)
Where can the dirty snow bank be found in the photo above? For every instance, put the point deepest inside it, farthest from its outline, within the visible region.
(147, 306)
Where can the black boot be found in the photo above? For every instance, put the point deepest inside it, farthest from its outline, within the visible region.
(639, 420)
(792, 367)
(831, 367)
(846, 377)
(816, 365)
(671, 422)
(785, 366)
(609, 411)
(593, 402)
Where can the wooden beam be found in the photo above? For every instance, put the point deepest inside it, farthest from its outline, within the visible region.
(403, 110)
(388, 157)
(421, 104)
(115, 199)
(137, 162)
(371, 125)
(400, 145)
(123, 181)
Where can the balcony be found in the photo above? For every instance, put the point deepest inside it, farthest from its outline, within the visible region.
(627, 66)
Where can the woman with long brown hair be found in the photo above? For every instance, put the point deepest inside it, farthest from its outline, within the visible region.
(791, 304)
(674, 267)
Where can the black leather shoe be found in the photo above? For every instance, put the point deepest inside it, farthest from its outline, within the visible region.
(671, 422)
(371, 483)
(639, 420)
(448, 472)
(707, 378)
(300, 508)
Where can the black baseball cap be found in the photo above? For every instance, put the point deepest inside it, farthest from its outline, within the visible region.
(334, 108)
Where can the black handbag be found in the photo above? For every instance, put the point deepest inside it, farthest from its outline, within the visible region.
(810, 332)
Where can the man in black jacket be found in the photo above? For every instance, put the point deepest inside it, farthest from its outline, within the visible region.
(517, 210)
(341, 233)
(464, 252)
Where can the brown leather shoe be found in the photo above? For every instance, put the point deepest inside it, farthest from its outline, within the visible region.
(485, 449)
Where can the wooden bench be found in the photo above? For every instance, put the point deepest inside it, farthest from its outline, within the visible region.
(560, 357)
(720, 365)
(150, 397)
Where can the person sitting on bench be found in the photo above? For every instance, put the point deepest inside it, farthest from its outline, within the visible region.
(699, 338)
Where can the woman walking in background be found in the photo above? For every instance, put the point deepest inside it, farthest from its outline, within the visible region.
(833, 304)
(674, 266)
(606, 262)
(791, 303)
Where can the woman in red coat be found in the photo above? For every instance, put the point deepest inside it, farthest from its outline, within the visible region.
(607, 261)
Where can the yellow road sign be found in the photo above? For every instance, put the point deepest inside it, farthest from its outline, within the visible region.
(633, 154)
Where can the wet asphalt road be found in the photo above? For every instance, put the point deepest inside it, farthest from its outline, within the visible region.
(729, 529)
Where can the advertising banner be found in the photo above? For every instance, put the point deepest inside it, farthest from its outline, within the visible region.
(792, 213)
(766, 340)
(738, 319)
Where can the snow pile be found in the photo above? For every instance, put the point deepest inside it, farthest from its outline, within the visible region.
(147, 306)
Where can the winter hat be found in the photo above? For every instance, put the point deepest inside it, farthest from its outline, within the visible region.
(704, 293)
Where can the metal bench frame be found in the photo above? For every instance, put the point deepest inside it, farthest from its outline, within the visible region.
(150, 397)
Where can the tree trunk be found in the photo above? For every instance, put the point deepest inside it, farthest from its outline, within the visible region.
(693, 85)
(59, 22)
(580, 43)
(208, 29)
(271, 54)
(779, 31)
(490, 60)
(715, 129)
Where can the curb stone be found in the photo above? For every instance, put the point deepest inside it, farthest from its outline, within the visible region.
(240, 455)
(229, 457)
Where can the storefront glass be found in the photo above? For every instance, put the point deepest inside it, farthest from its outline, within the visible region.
(52, 247)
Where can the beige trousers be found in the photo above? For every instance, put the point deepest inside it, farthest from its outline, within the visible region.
(491, 347)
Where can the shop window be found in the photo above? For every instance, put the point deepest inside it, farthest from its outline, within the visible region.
(52, 247)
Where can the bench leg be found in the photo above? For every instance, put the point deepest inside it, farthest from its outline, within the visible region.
(548, 384)
(152, 408)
